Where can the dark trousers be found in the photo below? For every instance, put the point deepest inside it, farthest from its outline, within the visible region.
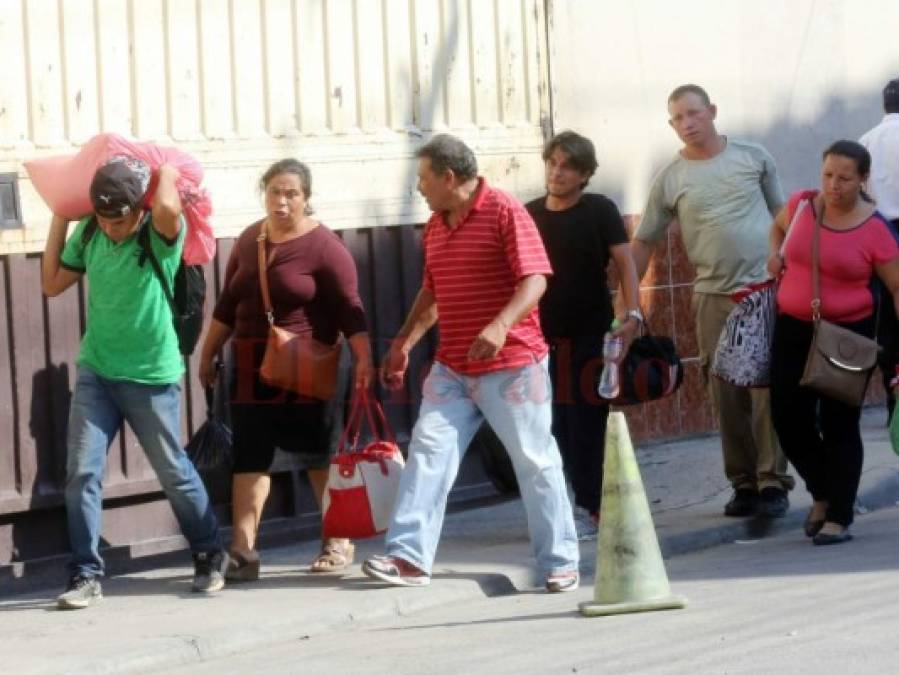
(819, 435)
(579, 415)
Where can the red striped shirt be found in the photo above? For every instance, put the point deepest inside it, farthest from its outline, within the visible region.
(473, 270)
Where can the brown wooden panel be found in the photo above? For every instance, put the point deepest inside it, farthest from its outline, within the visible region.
(32, 394)
(8, 472)
(64, 337)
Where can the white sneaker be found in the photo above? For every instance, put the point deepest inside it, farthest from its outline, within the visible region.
(563, 582)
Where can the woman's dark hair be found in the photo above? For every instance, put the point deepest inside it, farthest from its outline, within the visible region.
(578, 149)
(858, 154)
(297, 168)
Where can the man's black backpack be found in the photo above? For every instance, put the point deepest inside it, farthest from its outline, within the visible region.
(186, 300)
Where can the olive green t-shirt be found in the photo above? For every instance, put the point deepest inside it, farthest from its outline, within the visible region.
(725, 206)
(130, 334)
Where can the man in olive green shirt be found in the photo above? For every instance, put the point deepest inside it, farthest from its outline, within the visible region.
(724, 193)
(129, 365)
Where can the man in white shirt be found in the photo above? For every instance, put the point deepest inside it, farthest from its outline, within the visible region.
(883, 185)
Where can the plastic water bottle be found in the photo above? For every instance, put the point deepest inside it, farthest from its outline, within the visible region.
(609, 381)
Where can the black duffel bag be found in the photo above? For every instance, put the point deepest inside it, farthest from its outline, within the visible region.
(650, 371)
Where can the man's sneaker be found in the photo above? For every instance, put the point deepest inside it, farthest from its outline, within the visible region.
(81, 592)
(744, 502)
(562, 582)
(773, 502)
(586, 524)
(395, 571)
(209, 571)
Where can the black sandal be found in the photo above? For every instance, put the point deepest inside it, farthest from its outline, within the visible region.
(240, 568)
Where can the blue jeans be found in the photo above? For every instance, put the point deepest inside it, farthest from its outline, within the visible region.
(154, 414)
(516, 403)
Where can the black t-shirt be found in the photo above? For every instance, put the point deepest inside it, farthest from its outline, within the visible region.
(577, 301)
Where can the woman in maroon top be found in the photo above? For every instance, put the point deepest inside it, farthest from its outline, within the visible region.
(313, 286)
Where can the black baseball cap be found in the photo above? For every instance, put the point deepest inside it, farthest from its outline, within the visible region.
(119, 186)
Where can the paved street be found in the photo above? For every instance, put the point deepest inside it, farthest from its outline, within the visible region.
(777, 605)
(743, 601)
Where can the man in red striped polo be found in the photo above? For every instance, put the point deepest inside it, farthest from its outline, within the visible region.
(485, 270)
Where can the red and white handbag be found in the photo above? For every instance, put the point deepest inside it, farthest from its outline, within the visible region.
(362, 482)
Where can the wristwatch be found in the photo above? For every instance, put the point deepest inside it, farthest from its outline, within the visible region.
(634, 314)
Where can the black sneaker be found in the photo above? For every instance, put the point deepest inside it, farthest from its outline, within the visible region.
(773, 503)
(81, 592)
(209, 571)
(744, 502)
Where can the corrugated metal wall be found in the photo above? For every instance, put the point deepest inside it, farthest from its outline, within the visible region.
(350, 86)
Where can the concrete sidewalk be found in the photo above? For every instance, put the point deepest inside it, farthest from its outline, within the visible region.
(151, 620)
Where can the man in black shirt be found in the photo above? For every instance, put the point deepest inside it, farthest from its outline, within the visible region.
(581, 232)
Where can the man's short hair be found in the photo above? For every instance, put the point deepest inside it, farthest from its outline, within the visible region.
(685, 89)
(891, 96)
(579, 150)
(449, 153)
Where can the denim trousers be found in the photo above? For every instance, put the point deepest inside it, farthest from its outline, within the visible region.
(153, 412)
(516, 402)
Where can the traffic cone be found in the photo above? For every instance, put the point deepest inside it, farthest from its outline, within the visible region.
(630, 574)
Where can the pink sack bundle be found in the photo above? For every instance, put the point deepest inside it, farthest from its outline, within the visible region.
(63, 182)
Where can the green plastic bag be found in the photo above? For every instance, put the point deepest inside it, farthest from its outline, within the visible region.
(894, 431)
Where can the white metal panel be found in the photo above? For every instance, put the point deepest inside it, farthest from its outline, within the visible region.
(341, 65)
(457, 38)
(114, 65)
(280, 68)
(185, 119)
(430, 58)
(149, 70)
(80, 58)
(512, 67)
(15, 96)
(246, 41)
(313, 80)
(484, 54)
(44, 72)
(399, 66)
(371, 66)
(215, 69)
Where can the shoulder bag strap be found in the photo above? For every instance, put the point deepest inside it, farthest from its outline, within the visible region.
(816, 289)
(263, 274)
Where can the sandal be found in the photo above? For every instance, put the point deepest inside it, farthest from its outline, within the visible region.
(334, 556)
(241, 568)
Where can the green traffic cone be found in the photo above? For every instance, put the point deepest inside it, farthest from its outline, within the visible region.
(630, 574)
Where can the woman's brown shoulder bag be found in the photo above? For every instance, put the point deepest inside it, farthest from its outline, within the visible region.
(294, 362)
(839, 361)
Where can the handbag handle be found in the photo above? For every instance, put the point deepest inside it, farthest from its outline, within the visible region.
(364, 404)
(263, 273)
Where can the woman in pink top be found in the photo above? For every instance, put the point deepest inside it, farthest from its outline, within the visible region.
(820, 435)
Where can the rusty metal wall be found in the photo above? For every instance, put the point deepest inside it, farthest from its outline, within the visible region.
(38, 347)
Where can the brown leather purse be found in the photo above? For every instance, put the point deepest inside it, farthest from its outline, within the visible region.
(294, 362)
(839, 361)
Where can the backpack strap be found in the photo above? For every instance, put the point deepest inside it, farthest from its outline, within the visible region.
(143, 239)
(89, 230)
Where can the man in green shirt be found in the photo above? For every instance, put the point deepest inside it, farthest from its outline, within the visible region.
(724, 193)
(129, 366)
